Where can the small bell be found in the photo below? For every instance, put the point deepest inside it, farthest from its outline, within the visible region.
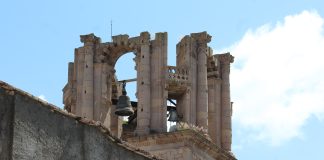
(124, 107)
(173, 115)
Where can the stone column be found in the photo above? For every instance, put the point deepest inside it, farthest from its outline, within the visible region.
(158, 80)
(187, 59)
(105, 99)
(225, 60)
(111, 119)
(214, 109)
(144, 86)
(87, 99)
(97, 90)
(70, 72)
(71, 84)
(113, 125)
(193, 74)
(79, 62)
(202, 90)
(100, 86)
(74, 82)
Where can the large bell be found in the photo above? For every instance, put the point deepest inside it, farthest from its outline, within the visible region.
(124, 107)
(173, 115)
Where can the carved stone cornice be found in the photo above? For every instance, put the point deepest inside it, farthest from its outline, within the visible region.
(225, 58)
(202, 37)
(89, 38)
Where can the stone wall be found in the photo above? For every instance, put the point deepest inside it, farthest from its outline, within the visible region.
(6, 123)
(33, 129)
(184, 144)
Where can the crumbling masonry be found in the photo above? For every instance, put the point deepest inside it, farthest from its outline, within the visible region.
(199, 83)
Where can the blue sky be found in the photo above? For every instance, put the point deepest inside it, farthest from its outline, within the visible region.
(276, 79)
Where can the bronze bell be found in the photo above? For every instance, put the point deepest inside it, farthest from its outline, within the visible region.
(124, 107)
(173, 115)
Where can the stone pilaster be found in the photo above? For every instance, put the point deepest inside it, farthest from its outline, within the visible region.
(158, 82)
(144, 86)
(70, 72)
(105, 98)
(225, 60)
(79, 63)
(97, 90)
(186, 104)
(111, 119)
(202, 89)
(71, 82)
(214, 110)
(88, 74)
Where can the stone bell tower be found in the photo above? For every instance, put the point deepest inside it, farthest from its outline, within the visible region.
(207, 89)
(199, 84)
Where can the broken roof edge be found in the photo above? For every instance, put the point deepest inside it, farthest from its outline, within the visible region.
(13, 90)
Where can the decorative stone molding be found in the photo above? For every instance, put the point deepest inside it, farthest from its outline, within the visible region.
(176, 74)
(177, 80)
(225, 58)
(90, 38)
(201, 37)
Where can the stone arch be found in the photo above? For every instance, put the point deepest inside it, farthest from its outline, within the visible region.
(120, 52)
(114, 51)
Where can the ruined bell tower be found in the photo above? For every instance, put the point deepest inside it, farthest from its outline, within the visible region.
(198, 86)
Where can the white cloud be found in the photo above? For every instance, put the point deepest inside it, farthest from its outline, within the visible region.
(277, 79)
(42, 97)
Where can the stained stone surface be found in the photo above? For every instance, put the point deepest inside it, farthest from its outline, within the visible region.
(33, 129)
(199, 84)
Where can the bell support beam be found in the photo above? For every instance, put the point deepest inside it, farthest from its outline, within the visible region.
(128, 80)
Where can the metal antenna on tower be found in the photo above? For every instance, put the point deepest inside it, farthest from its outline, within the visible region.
(111, 30)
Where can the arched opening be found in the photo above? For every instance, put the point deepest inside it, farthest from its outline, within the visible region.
(125, 72)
